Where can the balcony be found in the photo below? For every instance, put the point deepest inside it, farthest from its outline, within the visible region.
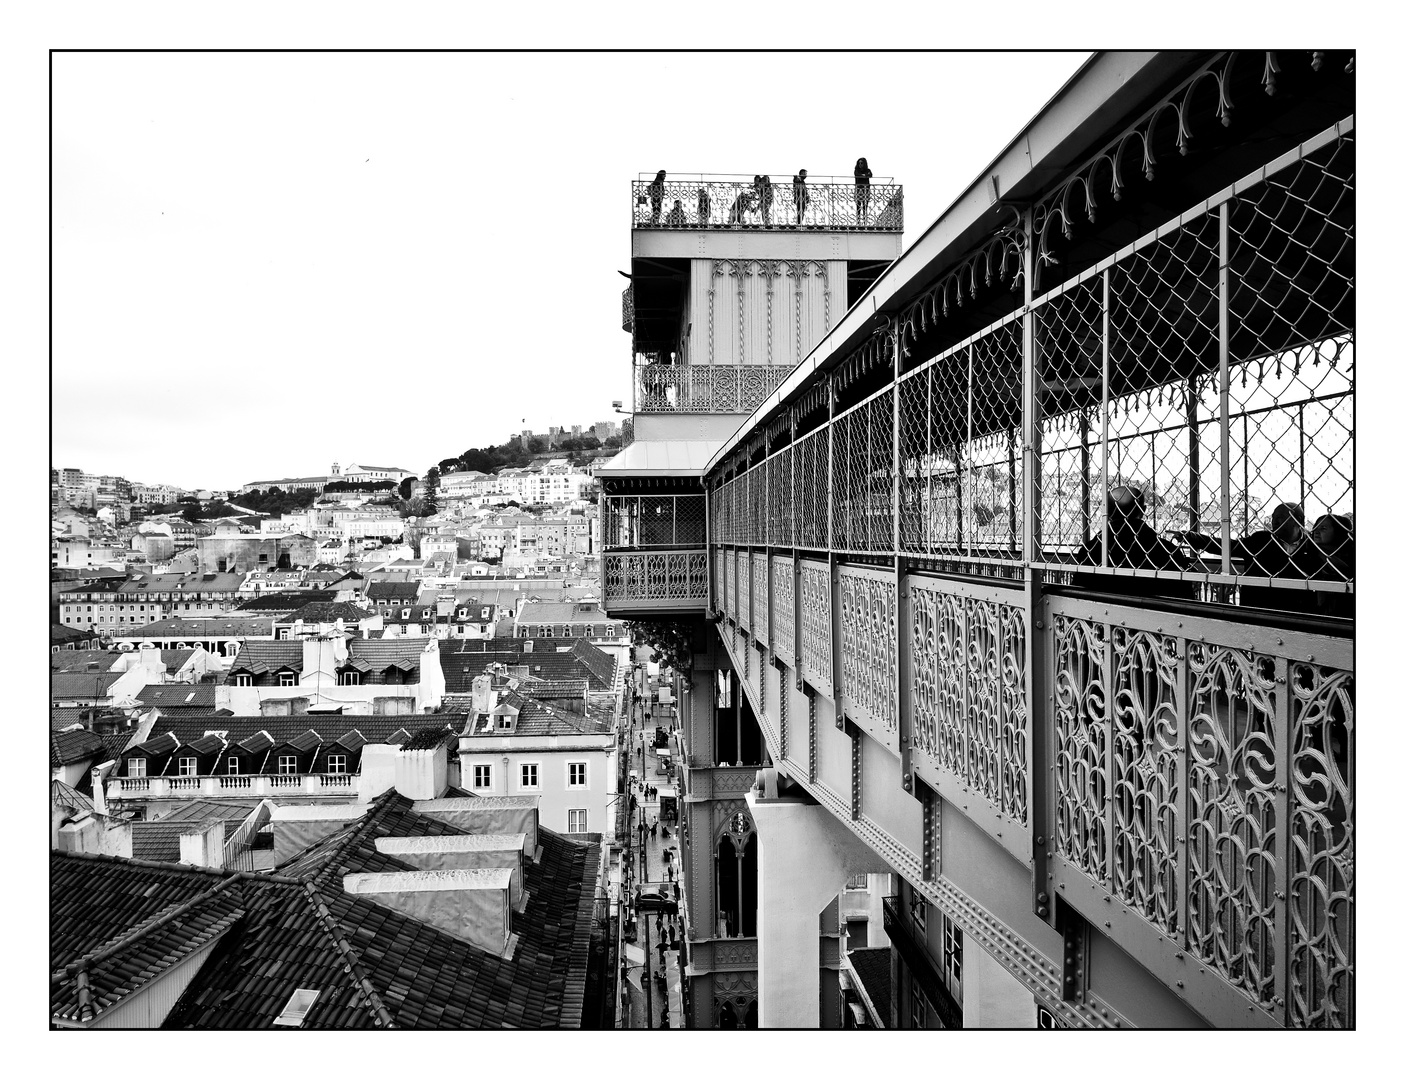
(733, 389)
(653, 581)
(829, 204)
(250, 786)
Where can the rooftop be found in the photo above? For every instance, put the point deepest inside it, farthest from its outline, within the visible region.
(298, 929)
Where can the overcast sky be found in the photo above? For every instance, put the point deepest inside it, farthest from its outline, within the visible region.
(264, 263)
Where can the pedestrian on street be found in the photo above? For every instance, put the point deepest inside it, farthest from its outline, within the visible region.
(654, 829)
(670, 873)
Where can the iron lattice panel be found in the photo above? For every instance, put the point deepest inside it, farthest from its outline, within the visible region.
(1322, 847)
(968, 704)
(863, 476)
(812, 490)
(1292, 309)
(760, 592)
(780, 499)
(783, 608)
(1232, 822)
(995, 467)
(816, 618)
(743, 566)
(868, 614)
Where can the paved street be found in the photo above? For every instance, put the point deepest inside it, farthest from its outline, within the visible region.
(646, 996)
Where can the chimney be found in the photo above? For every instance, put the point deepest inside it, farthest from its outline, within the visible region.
(423, 774)
(482, 694)
(87, 833)
(100, 786)
(205, 847)
(526, 644)
(471, 905)
(489, 815)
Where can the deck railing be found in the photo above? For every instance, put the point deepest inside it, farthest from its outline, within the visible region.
(717, 203)
(705, 388)
(673, 580)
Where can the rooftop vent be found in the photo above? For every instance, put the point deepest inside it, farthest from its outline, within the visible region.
(299, 1005)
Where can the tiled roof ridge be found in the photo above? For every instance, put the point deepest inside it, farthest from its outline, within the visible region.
(382, 1016)
(573, 995)
(146, 926)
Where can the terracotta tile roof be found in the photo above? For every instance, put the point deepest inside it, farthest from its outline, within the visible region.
(82, 686)
(393, 590)
(62, 718)
(191, 696)
(328, 611)
(72, 747)
(364, 957)
(462, 665)
(81, 661)
(116, 743)
(279, 602)
(874, 969)
(152, 917)
(273, 655)
(229, 626)
(597, 661)
(331, 726)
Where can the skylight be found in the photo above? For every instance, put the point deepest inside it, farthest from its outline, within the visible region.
(299, 1005)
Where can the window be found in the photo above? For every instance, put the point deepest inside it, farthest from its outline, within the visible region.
(136, 766)
(287, 678)
(951, 957)
(232, 766)
(575, 774)
(243, 679)
(287, 764)
(919, 913)
(282, 633)
(336, 764)
(529, 776)
(610, 631)
(919, 1009)
(185, 766)
(575, 821)
(482, 777)
(348, 678)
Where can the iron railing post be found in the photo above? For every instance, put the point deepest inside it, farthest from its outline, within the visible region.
(1225, 565)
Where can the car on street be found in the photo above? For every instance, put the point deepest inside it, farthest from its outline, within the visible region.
(655, 899)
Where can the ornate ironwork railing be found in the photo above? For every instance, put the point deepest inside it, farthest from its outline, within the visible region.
(655, 579)
(627, 309)
(652, 521)
(1204, 777)
(705, 388)
(743, 204)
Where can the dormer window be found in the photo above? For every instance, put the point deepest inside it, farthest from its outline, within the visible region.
(232, 766)
(136, 766)
(287, 678)
(336, 764)
(185, 766)
(287, 764)
(348, 678)
(242, 679)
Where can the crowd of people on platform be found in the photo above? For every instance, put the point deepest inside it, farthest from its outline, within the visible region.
(1287, 549)
(756, 200)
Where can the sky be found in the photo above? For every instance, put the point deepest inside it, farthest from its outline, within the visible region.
(267, 262)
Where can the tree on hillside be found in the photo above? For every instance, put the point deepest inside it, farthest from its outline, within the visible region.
(406, 486)
(431, 490)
